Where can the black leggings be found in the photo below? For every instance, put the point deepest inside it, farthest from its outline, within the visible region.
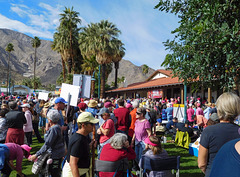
(55, 168)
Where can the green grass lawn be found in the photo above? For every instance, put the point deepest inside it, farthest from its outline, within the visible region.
(188, 165)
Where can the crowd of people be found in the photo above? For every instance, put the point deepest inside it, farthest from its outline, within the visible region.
(119, 129)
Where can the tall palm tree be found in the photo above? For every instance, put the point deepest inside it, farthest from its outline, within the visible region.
(69, 20)
(100, 40)
(35, 44)
(9, 49)
(117, 58)
(60, 45)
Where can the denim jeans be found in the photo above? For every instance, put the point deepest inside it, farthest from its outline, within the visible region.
(139, 147)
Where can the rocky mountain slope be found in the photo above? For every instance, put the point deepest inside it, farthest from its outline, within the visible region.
(49, 62)
(21, 61)
(131, 72)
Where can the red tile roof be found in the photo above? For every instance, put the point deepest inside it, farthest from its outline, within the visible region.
(165, 81)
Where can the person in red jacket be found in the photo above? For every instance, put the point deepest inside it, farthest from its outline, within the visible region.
(117, 149)
(122, 115)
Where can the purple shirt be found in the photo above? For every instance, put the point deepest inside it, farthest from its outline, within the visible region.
(140, 129)
(15, 153)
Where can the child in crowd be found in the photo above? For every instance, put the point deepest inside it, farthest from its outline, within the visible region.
(153, 151)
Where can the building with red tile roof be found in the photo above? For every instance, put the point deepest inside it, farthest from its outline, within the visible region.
(160, 84)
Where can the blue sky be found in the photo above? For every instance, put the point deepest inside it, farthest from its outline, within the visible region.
(144, 29)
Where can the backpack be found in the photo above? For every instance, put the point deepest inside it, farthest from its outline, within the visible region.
(4, 153)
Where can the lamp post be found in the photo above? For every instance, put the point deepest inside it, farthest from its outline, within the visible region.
(99, 80)
(93, 84)
(185, 101)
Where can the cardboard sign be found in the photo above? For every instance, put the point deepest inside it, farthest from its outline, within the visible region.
(84, 81)
(178, 111)
(72, 91)
(43, 96)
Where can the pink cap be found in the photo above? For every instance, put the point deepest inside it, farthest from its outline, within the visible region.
(198, 104)
(26, 148)
(147, 141)
(129, 105)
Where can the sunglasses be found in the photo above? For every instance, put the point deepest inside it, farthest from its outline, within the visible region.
(89, 123)
(138, 113)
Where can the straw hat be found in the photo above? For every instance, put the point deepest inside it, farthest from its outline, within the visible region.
(92, 103)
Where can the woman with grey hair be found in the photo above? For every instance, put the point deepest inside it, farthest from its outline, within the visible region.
(117, 149)
(215, 136)
(53, 143)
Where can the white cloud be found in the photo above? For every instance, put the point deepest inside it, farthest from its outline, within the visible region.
(21, 27)
(46, 19)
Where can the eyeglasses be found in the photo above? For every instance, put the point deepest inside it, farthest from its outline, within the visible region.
(138, 113)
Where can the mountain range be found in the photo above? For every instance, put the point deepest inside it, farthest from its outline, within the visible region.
(48, 66)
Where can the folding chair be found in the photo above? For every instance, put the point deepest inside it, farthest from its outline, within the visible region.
(108, 166)
(169, 163)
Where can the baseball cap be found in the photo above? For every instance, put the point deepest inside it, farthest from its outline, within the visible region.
(60, 100)
(102, 111)
(87, 117)
(26, 105)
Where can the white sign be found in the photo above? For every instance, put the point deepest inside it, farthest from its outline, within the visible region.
(178, 111)
(86, 86)
(72, 91)
(84, 81)
(43, 96)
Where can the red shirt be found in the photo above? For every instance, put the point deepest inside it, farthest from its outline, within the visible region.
(108, 124)
(110, 154)
(122, 115)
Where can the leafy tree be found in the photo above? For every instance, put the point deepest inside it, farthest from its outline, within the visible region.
(145, 69)
(51, 87)
(69, 79)
(119, 81)
(35, 44)
(69, 21)
(31, 82)
(101, 40)
(9, 49)
(206, 44)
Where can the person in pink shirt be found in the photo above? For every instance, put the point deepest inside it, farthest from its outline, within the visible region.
(190, 114)
(141, 132)
(14, 152)
(107, 129)
(27, 128)
(201, 121)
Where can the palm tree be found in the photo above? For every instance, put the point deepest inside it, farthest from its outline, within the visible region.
(60, 45)
(118, 57)
(89, 65)
(100, 40)
(69, 20)
(35, 44)
(145, 69)
(9, 49)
